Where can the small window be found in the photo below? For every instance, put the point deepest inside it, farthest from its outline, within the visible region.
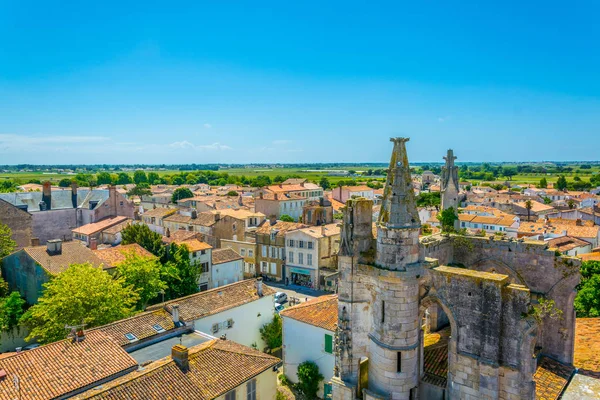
(291, 243)
(242, 252)
(251, 390)
(309, 259)
(229, 323)
(328, 344)
(399, 363)
(310, 245)
(202, 252)
(250, 253)
(158, 328)
(300, 258)
(291, 257)
(301, 244)
(230, 395)
(121, 204)
(131, 337)
(215, 328)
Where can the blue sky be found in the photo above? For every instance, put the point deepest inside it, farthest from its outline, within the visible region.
(237, 82)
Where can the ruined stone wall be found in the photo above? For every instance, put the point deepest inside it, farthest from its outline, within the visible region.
(540, 270)
(18, 221)
(438, 247)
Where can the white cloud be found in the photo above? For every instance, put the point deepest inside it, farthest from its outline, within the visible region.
(188, 145)
(207, 126)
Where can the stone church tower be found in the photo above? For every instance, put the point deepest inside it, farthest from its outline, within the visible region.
(449, 186)
(379, 294)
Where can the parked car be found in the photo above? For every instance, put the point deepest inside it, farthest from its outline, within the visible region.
(278, 308)
(280, 297)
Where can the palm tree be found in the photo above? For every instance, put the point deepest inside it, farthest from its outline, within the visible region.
(528, 206)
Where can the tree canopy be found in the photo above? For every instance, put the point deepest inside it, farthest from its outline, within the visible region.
(141, 189)
(181, 274)
(7, 245)
(142, 235)
(145, 274)
(81, 294)
(181, 193)
(447, 218)
(286, 218)
(272, 333)
(587, 301)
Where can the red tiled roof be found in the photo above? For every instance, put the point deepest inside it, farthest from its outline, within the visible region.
(587, 346)
(550, 378)
(321, 312)
(59, 368)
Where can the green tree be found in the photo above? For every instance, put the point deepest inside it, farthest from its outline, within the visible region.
(11, 310)
(272, 333)
(153, 178)
(309, 378)
(181, 274)
(178, 180)
(64, 183)
(509, 172)
(81, 294)
(543, 183)
(123, 178)
(139, 176)
(141, 189)
(103, 178)
(587, 301)
(232, 193)
(181, 193)
(286, 218)
(429, 199)
(447, 218)
(7, 245)
(547, 200)
(144, 274)
(142, 235)
(278, 179)
(324, 183)
(561, 183)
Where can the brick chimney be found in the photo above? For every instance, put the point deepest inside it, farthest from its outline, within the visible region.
(217, 216)
(35, 241)
(180, 355)
(579, 222)
(74, 194)
(272, 219)
(260, 195)
(47, 195)
(194, 214)
(93, 244)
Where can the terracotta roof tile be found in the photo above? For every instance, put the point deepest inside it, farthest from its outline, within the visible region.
(221, 256)
(550, 378)
(114, 255)
(281, 226)
(566, 243)
(159, 212)
(214, 301)
(587, 346)
(72, 253)
(59, 368)
(90, 229)
(321, 312)
(140, 325)
(215, 368)
(194, 244)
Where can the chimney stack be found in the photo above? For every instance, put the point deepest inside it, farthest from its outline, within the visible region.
(93, 244)
(259, 287)
(35, 241)
(194, 214)
(260, 195)
(276, 196)
(74, 194)
(54, 247)
(180, 355)
(47, 195)
(217, 216)
(273, 219)
(175, 314)
(578, 222)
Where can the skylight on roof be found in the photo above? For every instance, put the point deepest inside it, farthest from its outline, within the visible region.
(131, 337)
(158, 328)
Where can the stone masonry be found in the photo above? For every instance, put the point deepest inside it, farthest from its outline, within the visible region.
(487, 293)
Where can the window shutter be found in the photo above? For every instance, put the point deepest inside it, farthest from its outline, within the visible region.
(328, 344)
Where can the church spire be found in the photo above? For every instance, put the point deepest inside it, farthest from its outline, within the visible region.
(449, 186)
(399, 208)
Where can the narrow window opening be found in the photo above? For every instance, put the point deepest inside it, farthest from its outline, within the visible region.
(383, 311)
(399, 366)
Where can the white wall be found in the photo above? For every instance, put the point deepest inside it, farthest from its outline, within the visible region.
(246, 323)
(225, 273)
(266, 387)
(305, 342)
